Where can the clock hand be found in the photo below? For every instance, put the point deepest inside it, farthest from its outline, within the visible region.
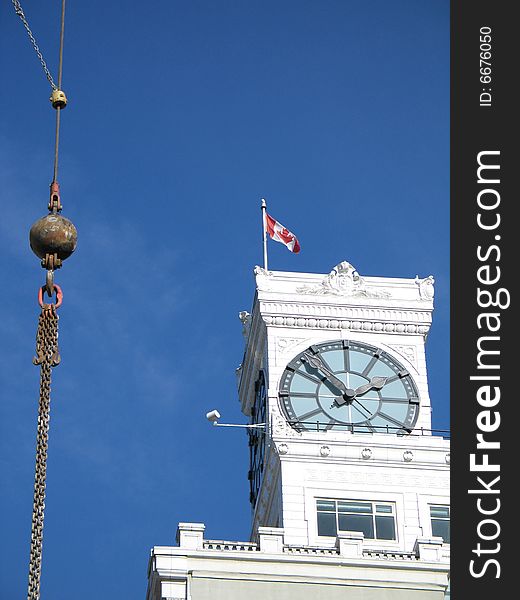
(316, 363)
(361, 406)
(376, 383)
(339, 401)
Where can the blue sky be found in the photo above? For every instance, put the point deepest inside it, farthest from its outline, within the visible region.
(181, 116)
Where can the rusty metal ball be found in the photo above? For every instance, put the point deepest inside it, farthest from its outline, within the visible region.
(53, 234)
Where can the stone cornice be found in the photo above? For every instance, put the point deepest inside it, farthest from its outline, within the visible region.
(301, 315)
(314, 309)
(360, 322)
(413, 457)
(168, 557)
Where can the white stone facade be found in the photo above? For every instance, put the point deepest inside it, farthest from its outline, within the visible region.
(295, 310)
(410, 472)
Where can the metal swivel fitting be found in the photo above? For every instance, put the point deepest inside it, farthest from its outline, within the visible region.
(58, 99)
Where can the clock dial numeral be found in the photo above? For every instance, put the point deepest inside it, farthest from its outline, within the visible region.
(368, 368)
(310, 414)
(390, 419)
(400, 375)
(311, 377)
(346, 359)
(400, 400)
(325, 364)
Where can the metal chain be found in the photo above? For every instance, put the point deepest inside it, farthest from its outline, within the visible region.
(20, 13)
(47, 356)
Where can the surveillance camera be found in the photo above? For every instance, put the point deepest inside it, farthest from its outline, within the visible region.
(213, 416)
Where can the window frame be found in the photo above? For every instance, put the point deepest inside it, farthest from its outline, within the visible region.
(432, 518)
(427, 500)
(373, 514)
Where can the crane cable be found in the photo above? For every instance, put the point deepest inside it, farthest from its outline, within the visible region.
(53, 239)
(56, 93)
(58, 98)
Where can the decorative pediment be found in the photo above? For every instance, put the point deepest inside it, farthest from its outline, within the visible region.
(343, 280)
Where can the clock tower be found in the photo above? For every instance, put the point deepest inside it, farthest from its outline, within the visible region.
(334, 365)
(349, 485)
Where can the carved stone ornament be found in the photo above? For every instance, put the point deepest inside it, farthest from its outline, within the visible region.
(366, 453)
(284, 345)
(426, 289)
(283, 449)
(343, 280)
(245, 319)
(349, 324)
(407, 455)
(407, 352)
(324, 451)
(281, 427)
(263, 279)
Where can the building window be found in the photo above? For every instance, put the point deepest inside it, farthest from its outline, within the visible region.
(375, 519)
(440, 518)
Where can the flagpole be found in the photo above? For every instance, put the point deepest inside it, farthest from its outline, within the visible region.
(264, 230)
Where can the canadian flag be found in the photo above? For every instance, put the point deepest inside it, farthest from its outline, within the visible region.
(279, 233)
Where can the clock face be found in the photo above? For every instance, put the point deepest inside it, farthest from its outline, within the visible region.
(348, 386)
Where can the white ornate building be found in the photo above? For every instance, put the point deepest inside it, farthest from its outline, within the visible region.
(349, 488)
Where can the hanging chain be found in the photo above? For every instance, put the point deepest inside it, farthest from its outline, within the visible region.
(19, 11)
(47, 356)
